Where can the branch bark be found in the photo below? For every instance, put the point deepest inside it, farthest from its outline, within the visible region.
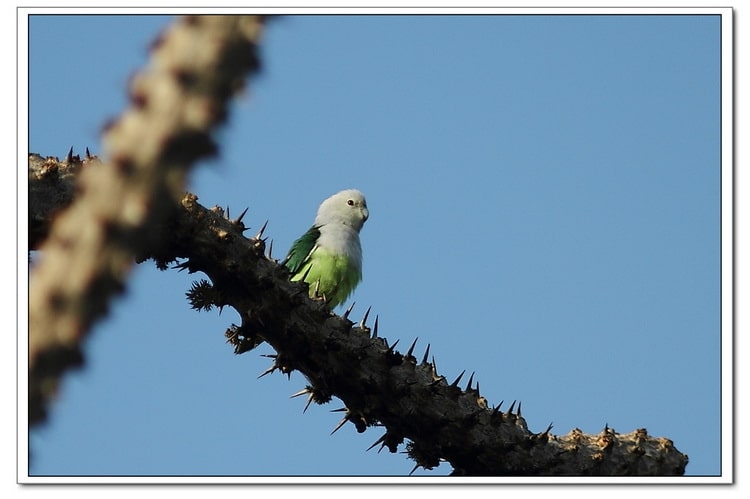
(380, 386)
(196, 66)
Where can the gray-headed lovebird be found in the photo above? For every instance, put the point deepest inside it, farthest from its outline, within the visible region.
(329, 255)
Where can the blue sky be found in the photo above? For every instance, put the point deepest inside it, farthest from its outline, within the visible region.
(544, 197)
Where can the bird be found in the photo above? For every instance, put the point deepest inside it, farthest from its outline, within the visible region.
(329, 255)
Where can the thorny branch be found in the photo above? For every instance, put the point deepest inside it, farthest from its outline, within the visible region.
(196, 66)
(381, 387)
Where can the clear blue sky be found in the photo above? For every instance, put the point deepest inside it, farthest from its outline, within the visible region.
(544, 198)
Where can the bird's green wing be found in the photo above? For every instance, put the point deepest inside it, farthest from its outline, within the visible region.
(301, 249)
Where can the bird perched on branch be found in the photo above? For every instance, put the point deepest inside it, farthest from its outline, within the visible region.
(329, 255)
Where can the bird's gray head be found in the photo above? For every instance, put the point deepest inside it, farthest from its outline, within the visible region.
(347, 207)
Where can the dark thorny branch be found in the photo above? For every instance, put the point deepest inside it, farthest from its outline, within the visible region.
(403, 395)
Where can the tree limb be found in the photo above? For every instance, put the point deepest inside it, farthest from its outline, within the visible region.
(381, 387)
(196, 66)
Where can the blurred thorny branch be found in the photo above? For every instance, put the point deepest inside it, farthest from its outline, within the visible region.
(196, 65)
(91, 220)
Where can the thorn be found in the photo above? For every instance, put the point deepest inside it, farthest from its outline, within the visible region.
(270, 249)
(411, 348)
(518, 413)
(232, 337)
(364, 319)
(88, 154)
(301, 392)
(269, 370)
(69, 157)
(375, 328)
(381, 439)
(349, 310)
(346, 418)
(606, 427)
(471, 379)
(510, 411)
(317, 287)
(343, 409)
(426, 354)
(455, 383)
(414, 469)
(309, 400)
(242, 215)
(434, 365)
(182, 266)
(262, 229)
(390, 348)
(477, 388)
(227, 210)
(496, 409)
(546, 432)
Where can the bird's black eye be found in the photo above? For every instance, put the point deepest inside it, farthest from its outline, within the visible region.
(350, 202)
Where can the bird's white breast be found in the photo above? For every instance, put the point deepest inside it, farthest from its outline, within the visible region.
(342, 240)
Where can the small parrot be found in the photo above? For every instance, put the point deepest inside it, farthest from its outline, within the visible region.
(329, 255)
